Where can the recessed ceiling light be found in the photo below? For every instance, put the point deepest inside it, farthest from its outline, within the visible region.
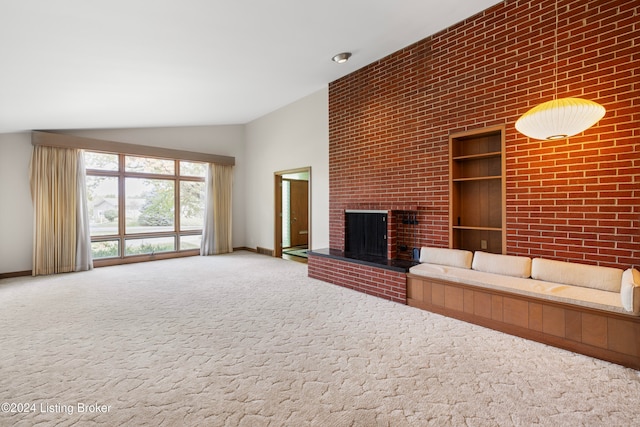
(341, 57)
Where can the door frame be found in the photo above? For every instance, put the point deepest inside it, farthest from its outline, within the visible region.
(277, 244)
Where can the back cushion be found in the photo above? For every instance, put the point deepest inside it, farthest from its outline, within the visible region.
(569, 273)
(630, 290)
(507, 265)
(450, 257)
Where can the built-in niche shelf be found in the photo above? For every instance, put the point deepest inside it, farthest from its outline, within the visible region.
(477, 203)
(407, 226)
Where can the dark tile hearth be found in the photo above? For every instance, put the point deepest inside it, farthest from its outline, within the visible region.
(399, 265)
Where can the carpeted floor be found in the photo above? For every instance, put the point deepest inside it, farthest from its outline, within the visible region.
(248, 340)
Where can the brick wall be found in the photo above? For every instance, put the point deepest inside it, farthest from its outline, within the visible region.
(387, 284)
(575, 199)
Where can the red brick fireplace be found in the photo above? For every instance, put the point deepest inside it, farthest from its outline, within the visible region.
(382, 275)
(570, 200)
(401, 231)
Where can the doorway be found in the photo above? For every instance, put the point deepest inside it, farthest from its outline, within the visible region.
(293, 214)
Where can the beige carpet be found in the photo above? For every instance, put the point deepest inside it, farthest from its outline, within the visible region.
(247, 340)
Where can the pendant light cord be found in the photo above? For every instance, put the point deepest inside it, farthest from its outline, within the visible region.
(555, 49)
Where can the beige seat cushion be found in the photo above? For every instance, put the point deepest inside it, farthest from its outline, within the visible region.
(586, 297)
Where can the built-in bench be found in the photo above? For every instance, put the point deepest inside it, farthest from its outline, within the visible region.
(587, 309)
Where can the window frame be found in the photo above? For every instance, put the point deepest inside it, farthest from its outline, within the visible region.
(122, 236)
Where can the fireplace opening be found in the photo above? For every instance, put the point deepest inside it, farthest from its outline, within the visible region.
(366, 234)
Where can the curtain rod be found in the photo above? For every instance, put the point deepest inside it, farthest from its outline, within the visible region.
(52, 139)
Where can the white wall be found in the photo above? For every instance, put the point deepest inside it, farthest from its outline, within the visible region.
(16, 210)
(292, 137)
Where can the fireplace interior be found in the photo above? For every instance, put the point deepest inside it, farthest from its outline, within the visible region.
(366, 234)
(376, 239)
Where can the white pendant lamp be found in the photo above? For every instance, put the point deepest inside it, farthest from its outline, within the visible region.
(559, 118)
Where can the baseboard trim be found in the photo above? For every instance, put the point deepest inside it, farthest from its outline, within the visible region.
(257, 250)
(264, 251)
(16, 274)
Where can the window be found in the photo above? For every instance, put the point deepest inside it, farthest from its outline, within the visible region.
(143, 207)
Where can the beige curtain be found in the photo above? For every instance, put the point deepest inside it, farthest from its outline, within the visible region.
(60, 224)
(84, 259)
(216, 234)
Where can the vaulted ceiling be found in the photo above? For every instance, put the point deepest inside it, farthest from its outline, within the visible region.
(73, 64)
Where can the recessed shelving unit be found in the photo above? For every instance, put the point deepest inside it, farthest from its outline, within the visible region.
(477, 202)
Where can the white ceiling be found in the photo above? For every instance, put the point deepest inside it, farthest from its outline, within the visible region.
(74, 64)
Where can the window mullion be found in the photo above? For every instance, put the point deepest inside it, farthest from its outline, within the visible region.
(122, 212)
(176, 208)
